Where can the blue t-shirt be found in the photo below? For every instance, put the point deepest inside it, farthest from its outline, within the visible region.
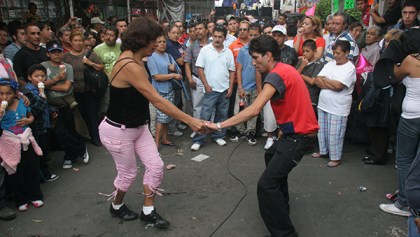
(9, 119)
(248, 70)
(158, 64)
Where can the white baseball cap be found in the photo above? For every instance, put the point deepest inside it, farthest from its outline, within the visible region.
(279, 28)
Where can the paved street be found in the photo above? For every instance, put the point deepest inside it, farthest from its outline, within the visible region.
(199, 196)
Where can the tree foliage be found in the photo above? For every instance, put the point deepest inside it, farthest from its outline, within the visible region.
(323, 9)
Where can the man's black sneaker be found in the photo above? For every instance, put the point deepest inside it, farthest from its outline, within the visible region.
(7, 214)
(251, 138)
(124, 213)
(155, 219)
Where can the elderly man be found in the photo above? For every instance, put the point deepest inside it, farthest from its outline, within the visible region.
(372, 50)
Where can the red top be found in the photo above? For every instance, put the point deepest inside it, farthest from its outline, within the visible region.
(320, 42)
(293, 110)
(366, 16)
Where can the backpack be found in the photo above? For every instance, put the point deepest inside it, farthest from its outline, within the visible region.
(97, 80)
(368, 100)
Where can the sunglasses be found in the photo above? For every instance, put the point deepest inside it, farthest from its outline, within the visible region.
(243, 29)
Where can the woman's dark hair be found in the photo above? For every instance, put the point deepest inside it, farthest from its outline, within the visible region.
(36, 67)
(355, 24)
(410, 41)
(344, 45)
(264, 44)
(140, 33)
(310, 43)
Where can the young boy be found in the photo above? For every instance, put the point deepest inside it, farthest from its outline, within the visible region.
(58, 72)
(41, 111)
(309, 67)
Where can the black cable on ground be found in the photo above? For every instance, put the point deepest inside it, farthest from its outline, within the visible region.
(243, 185)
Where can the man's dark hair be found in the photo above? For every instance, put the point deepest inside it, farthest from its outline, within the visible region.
(120, 19)
(410, 41)
(411, 3)
(283, 15)
(221, 18)
(220, 28)
(3, 27)
(291, 30)
(140, 33)
(267, 25)
(31, 4)
(344, 45)
(310, 43)
(255, 26)
(29, 25)
(43, 24)
(191, 25)
(264, 44)
(114, 29)
(36, 67)
(204, 23)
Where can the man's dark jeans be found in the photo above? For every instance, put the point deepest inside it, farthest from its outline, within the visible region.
(272, 191)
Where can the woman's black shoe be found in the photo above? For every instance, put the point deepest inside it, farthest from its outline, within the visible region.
(124, 213)
(155, 219)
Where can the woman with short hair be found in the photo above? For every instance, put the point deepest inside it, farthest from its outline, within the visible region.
(124, 131)
(336, 81)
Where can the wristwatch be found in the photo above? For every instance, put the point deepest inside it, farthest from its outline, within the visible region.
(219, 127)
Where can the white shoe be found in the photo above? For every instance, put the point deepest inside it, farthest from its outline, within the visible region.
(38, 203)
(193, 134)
(195, 147)
(67, 164)
(86, 157)
(268, 143)
(23, 207)
(220, 142)
(176, 133)
(182, 126)
(392, 209)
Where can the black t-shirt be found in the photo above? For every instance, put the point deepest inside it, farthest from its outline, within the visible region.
(26, 57)
(391, 17)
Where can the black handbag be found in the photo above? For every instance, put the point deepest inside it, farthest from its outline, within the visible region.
(176, 84)
(97, 81)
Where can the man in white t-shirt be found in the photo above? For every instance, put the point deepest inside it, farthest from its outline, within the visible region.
(216, 69)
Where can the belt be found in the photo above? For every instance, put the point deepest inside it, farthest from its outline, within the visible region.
(118, 125)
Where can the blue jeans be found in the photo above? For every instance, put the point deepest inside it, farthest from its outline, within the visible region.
(408, 143)
(213, 101)
(412, 228)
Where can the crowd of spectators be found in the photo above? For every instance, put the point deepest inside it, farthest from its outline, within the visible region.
(204, 67)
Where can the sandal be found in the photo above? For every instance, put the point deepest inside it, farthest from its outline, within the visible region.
(334, 163)
(319, 155)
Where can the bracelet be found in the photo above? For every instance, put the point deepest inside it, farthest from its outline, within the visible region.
(218, 126)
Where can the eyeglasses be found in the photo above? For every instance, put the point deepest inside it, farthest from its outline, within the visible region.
(243, 29)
